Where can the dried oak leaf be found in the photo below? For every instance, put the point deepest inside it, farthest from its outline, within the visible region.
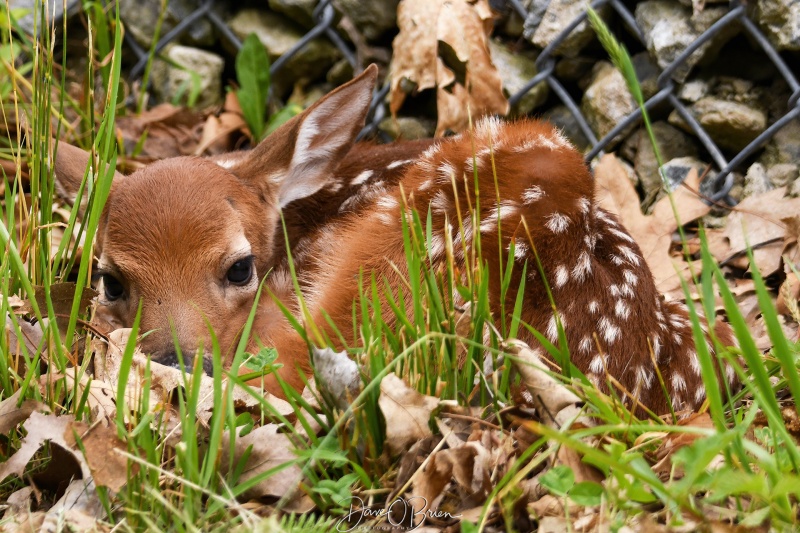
(555, 403)
(11, 414)
(40, 428)
(756, 221)
(443, 44)
(407, 413)
(164, 380)
(653, 233)
(268, 449)
(469, 466)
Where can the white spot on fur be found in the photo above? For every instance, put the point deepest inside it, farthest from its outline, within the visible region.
(594, 307)
(227, 163)
(362, 177)
(700, 395)
(562, 276)
(426, 185)
(608, 330)
(431, 151)
(584, 205)
(436, 247)
(505, 209)
(520, 251)
(590, 239)
(621, 234)
(387, 203)
(630, 277)
(557, 223)
(586, 344)
(488, 127)
(552, 327)
(629, 254)
(644, 376)
(440, 202)
(730, 373)
(677, 339)
(532, 194)
(694, 362)
(660, 316)
(656, 346)
(598, 364)
(617, 260)
(622, 310)
(603, 216)
(583, 268)
(395, 164)
(678, 383)
(446, 172)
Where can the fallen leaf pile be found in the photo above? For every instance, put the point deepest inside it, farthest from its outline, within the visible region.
(443, 45)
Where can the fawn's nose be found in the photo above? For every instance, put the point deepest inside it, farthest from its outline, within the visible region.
(170, 358)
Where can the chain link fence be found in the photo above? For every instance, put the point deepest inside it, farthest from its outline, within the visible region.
(324, 16)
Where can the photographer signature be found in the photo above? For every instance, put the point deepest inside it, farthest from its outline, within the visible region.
(408, 519)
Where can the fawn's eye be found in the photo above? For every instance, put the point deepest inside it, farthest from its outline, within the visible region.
(241, 271)
(112, 287)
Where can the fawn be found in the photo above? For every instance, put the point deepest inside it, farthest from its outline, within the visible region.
(192, 237)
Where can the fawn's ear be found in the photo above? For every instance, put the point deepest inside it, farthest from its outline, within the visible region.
(70, 167)
(301, 156)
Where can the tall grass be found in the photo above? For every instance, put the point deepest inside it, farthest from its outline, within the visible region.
(178, 485)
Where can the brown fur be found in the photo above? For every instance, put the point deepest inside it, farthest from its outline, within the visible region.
(170, 233)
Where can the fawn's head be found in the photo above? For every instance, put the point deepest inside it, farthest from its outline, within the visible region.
(192, 238)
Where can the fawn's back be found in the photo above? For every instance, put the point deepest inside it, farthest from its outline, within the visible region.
(190, 238)
(533, 191)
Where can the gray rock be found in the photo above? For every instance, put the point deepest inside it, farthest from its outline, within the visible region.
(543, 27)
(756, 181)
(676, 170)
(731, 125)
(201, 74)
(515, 70)
(55, 8)
(408, 128)
(607, 100)
(780, 20)
(783, 174)
(300, 11)
(672, 143)
(279, 35)
(694, 90)
(794, 189)
(141, 18)
(373, 19)
(670, 27)
(784, 147)
(561, 117)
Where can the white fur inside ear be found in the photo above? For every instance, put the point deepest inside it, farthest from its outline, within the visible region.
(330, 126)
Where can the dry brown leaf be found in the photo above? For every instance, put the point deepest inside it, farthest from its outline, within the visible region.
(11, 415)
(169, 130)
(164, 380)
(557, 405)
(407, 413)
(79, 509)
(269, 450)
(653, 233)
(31, 337)
(40, 428)
(468, 466)
(218, 131)
(109, 468)
(675, 441)
(443, 44)
(759, 219)
(788, 295)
